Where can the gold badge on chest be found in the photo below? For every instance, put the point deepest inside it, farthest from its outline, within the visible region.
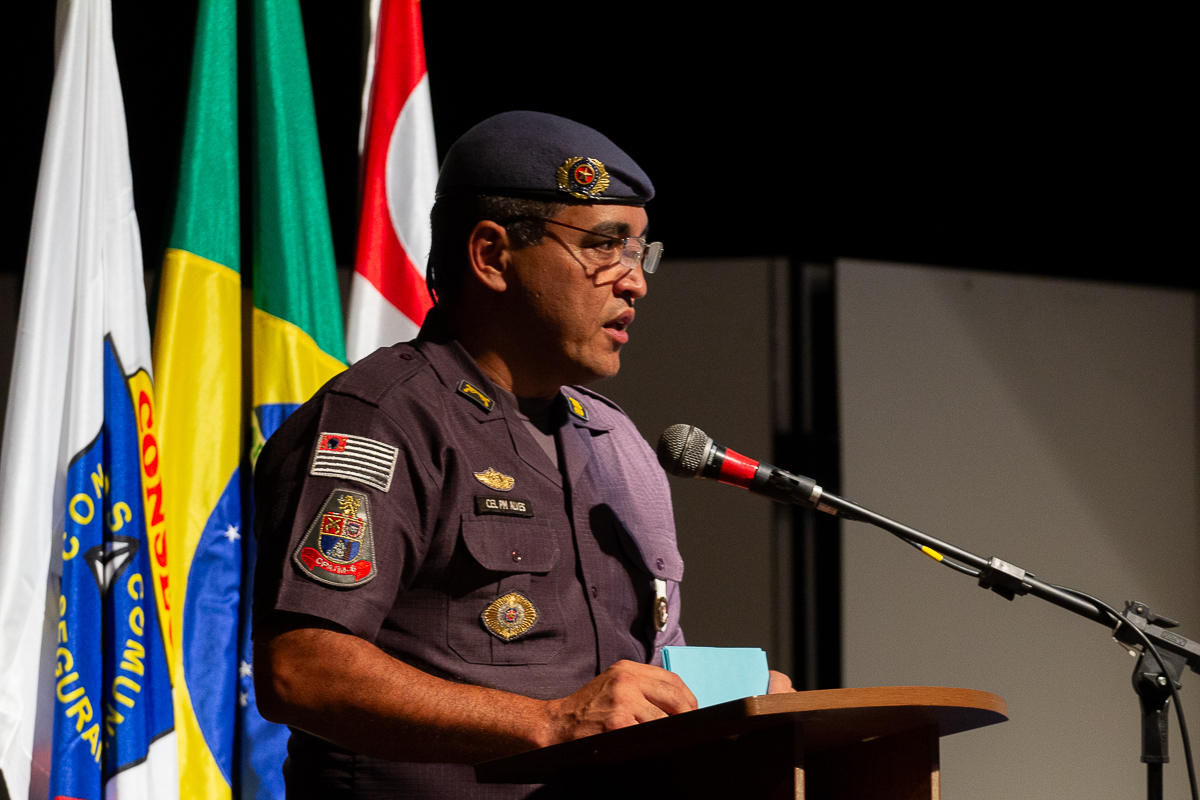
(495, 480)
(509, 617)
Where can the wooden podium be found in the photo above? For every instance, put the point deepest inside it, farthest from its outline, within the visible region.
(877, 743)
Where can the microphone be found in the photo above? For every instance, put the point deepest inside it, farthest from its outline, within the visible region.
(685, 451)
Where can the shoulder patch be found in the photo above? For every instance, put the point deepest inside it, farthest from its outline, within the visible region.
(340, 455)
(339, 547)
(475, 395)
(576, 408)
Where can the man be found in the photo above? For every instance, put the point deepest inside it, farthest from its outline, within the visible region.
(463, 554)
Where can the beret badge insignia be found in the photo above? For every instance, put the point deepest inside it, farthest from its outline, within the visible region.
(495, 480)
(583, 178)
(510, 617)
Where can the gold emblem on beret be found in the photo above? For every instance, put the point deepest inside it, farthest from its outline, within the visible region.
(510, 617)
(582, 177)
(495, 480)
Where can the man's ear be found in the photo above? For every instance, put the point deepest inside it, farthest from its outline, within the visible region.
(488, 252)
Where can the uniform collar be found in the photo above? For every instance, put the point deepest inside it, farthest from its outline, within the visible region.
(453, 366)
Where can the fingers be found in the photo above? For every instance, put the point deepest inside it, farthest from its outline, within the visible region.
(779, 683)
(664, 690)
(624, 694)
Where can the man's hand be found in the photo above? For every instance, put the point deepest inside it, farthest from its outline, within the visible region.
(779, 683)
(624, 694)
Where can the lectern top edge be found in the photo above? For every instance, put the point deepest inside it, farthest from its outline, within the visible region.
(827, 718)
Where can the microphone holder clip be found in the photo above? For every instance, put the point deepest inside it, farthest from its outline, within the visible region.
(1005, 579)
(1179, 648)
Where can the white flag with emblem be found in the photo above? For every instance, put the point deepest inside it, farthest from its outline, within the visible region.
(79, 462)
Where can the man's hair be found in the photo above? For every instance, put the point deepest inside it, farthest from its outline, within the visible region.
(454, 217)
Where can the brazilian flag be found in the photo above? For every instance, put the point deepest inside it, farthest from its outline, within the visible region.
(293, 344)
(198, 356)
(297, 337)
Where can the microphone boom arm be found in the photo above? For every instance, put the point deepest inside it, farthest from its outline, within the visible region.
(1003, 578)
(687, 452)
(1163, 656)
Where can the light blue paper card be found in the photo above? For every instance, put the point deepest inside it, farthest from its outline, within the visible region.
(719, 674)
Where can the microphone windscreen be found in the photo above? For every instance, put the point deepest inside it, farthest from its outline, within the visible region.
(681, 450)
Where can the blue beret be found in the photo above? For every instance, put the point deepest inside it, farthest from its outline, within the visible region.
(544, 157)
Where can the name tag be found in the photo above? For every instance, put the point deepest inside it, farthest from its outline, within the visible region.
(505, 506)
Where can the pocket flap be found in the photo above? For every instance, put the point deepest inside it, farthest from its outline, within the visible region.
(510, 545)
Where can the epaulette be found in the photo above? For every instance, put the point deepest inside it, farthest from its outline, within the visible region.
(371, 379)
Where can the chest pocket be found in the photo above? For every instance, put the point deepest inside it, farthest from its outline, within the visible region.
(500, 556)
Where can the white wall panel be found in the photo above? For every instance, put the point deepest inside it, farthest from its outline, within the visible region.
(1050, 423)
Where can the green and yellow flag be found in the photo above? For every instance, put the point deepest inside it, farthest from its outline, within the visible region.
(298, 342)
(198, 361)
(298, 338)
(226, 749)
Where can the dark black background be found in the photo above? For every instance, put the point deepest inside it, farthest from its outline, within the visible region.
(1054, 143)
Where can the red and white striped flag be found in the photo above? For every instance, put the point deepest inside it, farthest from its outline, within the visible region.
(388, 299)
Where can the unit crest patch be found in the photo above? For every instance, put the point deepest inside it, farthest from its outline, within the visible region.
(339, 455)
(495, 480)
(475, 395)
(576, 408)
(510, 617)
(339, 548)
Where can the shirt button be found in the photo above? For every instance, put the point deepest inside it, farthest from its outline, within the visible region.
(516, 555)
(595, 592)
(659, 563)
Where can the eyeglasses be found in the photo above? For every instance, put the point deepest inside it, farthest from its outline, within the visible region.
(599, 251)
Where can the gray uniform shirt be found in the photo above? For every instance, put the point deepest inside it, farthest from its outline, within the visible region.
(474, 512)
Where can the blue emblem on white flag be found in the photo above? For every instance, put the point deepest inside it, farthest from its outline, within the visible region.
(112, 685)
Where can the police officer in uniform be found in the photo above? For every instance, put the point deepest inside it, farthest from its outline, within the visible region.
(463, 553)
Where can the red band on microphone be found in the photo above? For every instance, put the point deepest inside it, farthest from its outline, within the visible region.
(737, 470)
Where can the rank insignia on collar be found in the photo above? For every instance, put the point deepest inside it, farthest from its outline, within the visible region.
(472, 393)
(510, 617)
(576, 408)
(495, 480)
(583, 178)
(339, 548)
